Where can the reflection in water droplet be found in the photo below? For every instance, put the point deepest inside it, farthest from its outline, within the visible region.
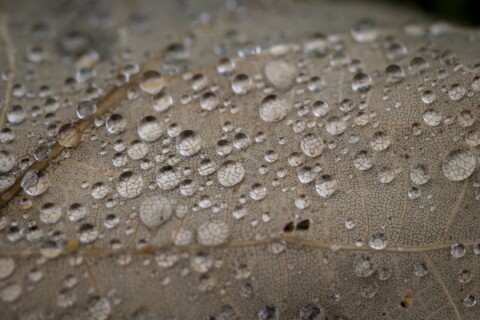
(326, 186)
(116, 123)
(230, 173)
(209, 101)
(280, 74)
(213, 233)
(155, 210)
(162, 102)
(377, 241)
(69, 135)
(86, 108)
(419, 174)
(363, 161)
(361, 82)
(188, 143)
(273, 108)
(130, 185)
(242, 84)
(7, 161)
(7, 266)
(311, 145)
(168, 178)
(152, 82)
(458, 165)
(150, 129)
(35, 183)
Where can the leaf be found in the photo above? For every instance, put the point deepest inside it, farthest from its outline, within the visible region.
(185, 160)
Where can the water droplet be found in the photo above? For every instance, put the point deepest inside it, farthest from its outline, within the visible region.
(86, 108)
(168, 178)
(152, 82)
(335, 126)
(257, 192)
(7, 266)
(242, 84)
(16, 114)
(458, 165)
(419, 174)
(7, 161)
(69, 135)
(50, 213)
(35, 182)
(326, 186)
(386, 175)
(137, 150)
(365, 31)
(363, 161)
(458, 250)
(150, 129)
(188, 143)
(116, 123)
(273, 109)
(225, 66)
(320, 108)
(162, 102)
(361, 82)
(432, 117)
(213, 233)
(280, 74)
(130, 185)
(456, 92)
(377, 241)
(380, 141)
(419, 269)
(311, 145)
(230, 173)
(11, 292)
(154, 211)
(469, 301)
(209, 101)
(395, 74)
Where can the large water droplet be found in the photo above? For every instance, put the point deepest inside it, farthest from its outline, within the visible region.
(213, 233)
(458, 165)
(326, 186)
(273, 108)
(230, 173)
(311, 145)
(188, 143)
(280, 73)
(150, 129)
(155, 210)
(130, 184)
(7, 161)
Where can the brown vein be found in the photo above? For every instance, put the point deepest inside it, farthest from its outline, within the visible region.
(456, 210)
(236, 244)
(440, 281)
(10, 53)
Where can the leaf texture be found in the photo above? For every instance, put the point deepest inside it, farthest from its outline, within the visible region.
(237, 160)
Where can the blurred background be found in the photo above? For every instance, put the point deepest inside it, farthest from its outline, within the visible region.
(466, 12)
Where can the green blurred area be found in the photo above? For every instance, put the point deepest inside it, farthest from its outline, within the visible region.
(466, 12)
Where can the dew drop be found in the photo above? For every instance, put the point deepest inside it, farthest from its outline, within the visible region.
(154, 211)
(326, 186)
(213, 233)
(130, 184)
(188, 143)
(230, 173)
(458, 165)
(273, 109)
(280, 74)
(150, 129)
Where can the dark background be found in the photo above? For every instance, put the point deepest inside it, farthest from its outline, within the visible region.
(466, 12)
